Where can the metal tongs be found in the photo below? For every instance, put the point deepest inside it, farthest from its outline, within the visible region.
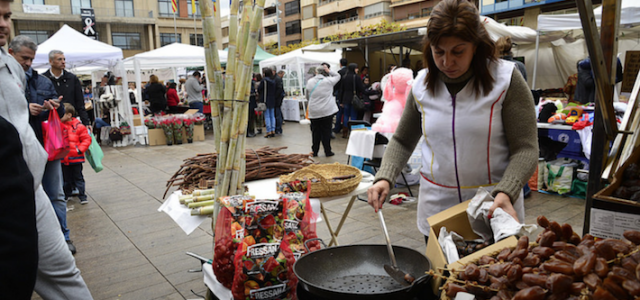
(393, 270)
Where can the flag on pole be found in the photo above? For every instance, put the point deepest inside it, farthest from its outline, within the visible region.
(174, 5)
(214, 5)
(193, 7)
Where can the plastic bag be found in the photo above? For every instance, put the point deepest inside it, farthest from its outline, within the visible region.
(56, 139)
(95, 154)
(261, 266)
(298, 223)
(560, 175)
(229, 233)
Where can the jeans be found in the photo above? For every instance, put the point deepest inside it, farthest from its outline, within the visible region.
(279, 120)
(270, 119)
(350, 113)
(100, 122)
(196, 105)
(338, 125)
(321, 132)
(72, 175)
(52, 183)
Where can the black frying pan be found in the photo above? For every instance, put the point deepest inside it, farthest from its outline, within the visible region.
(356, 272)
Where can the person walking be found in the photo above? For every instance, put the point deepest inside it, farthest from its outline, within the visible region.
(336, 93)
(267, 91)
(322, 108)
(279, 99)
(157, 95)
(67, 84)
(476, 115)
(350, 85)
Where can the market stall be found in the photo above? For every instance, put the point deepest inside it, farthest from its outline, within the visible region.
(299, 66)
(83, 52)
(170, 56)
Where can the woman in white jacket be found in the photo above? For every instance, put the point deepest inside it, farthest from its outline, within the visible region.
(322, 107)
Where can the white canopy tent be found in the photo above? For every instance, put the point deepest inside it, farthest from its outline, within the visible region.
(79, 50)
(300, 63)
(571, 47)
(83, 52)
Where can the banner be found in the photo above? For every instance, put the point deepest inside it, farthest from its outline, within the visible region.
(88, 23)
(41, 9)
(174, 5)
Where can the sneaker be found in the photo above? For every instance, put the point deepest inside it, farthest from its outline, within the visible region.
(72, 248)
(75, 192)
(333, 135)
(329, 154)
(83, 201)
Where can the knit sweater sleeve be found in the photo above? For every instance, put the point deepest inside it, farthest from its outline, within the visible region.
(402, 143)
(519, 120)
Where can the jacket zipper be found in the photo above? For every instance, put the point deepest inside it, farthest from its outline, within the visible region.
(455, 149)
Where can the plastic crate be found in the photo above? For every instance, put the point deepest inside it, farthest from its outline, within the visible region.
(574, 146)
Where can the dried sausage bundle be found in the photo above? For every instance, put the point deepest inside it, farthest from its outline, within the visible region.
(561, 265)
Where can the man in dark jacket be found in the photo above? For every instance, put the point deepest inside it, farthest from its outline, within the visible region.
(343, 70)
(279, 99)
(42, 97)
(67, 85)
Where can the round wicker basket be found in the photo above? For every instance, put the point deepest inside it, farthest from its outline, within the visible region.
(324, 186)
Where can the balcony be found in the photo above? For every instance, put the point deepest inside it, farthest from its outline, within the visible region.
(395, 3)
(375, 19)
(328, 7)
(270, 38)
(338, 26)
(269, 20)
(304, 3)
(308, 23)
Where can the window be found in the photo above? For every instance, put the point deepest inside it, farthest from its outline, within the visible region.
(198, 15)
(127, 40)
(293, 27)
(165, 10)
(124, 8)
(38, 36)
(169, 38)
(197, 38)
(309, 12)
(292, 8)
(378, 9)
(76, 5)
(37, 2)
(289, 43)
(309, 33)
(426, 11)
(225, 31)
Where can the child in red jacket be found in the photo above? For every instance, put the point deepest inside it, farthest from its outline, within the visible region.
(79, 142)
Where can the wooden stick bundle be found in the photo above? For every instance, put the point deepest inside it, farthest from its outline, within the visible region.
(199, 172)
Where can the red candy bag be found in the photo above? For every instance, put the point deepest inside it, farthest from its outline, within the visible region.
(229, 233)
(262, 271)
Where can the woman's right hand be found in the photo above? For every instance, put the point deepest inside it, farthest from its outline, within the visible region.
(378, 193)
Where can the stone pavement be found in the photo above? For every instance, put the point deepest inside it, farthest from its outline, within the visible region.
(128, 250)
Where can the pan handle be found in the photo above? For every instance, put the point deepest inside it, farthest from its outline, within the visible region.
(311, 240)
(419, 284)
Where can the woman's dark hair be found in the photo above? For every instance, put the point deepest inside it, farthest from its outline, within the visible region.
(172, 85)
(503, 45)
(153, 79)
(258, 77)
(267, 72)
(459, 18)
(351, 68)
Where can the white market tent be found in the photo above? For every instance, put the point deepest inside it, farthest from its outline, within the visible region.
(79, 50)
(567, 51)
(297, 65)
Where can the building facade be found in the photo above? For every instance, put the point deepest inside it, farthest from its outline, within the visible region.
(282, 22)
(134, 26)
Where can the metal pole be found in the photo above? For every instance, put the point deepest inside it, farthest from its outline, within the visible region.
(535, 64)
(195, 30)
(175, 27)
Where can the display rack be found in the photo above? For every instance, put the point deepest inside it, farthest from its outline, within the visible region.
(608, 140)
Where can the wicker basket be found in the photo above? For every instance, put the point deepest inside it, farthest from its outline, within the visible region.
(324, 173)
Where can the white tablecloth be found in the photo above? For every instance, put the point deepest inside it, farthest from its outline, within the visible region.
(291, 108)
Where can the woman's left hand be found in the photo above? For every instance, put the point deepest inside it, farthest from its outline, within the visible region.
(503, 201)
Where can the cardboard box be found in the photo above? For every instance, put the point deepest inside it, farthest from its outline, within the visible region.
(191, 112)
(136, 120)
(156, 137)
(607, 193)
(455, 219)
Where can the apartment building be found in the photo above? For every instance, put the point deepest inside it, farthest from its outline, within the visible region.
(282, 22)
(335, 16)
(134, 26)
(525, 12)
(412, 13)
